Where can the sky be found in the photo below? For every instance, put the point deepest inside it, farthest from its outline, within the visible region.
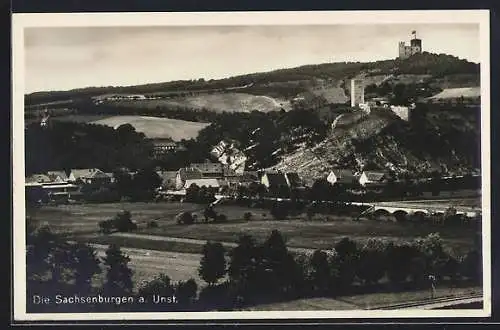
(63, 58)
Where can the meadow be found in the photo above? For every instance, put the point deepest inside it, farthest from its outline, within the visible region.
(156, 127)
(322, 232)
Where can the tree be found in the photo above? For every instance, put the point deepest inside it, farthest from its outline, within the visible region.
(123, 222)
(321, 190)
(471, 265)
(118, 274)
(160, 285)
(186, 292)
(86, 265)
(193, 193)
(243, 257)
(145, 182)
(399, 259)
(320, 270)
(279, 211)
(213, 263)
(52, 262)
(209, 213)
(372, 261)
(184, 218)
(276, 263)
(346, 261)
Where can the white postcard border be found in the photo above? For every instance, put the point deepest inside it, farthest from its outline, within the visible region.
(21, 21)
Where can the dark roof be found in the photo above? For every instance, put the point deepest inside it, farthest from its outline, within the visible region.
(375, 176)
(208, 167)
(189, 173)
(276, 179)
(294, 179)
(345, 175)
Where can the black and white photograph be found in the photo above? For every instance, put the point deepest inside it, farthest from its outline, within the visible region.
(251, 165)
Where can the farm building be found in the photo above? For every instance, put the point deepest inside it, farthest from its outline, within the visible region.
(163, 146)
(209, 170)
(372, 178)
(273, 180)
(38, 178)
(343, 176)
(293, 180)
(168, 179)
(209, 183)
(184, 174)
(92, 176)
(57, 176)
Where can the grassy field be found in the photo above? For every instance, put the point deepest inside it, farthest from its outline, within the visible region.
(83, 220)
(155, 127)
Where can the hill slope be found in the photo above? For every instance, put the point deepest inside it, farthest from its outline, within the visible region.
(154, 127)
(217, 102)
(288, 83)
(382, 141)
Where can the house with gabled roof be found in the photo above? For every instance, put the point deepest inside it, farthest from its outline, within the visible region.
(38, 178)
(186, 173)
(293, 180)
(209, 183)
(209, 170)
(372, 178)
(58, 176)
(273, 180)
(168, 179)
(92, 176)
(343, 176)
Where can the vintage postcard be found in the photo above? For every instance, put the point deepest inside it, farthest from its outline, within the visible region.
(251, 165)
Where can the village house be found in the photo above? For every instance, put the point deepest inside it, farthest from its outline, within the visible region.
(165, 146)
(38, 178)
(168, 179)
(184, 174)
(57, 176)
(372, 178)
(343, 177)
(209, 183)
(293, 180)
(90, 176)
(209, 170)
(273, 180)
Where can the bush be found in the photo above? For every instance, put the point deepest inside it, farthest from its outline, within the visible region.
(247, 216)
(221, 218)
(105, 226)
(123, 222)
(279, 211)
(184, 218)
(153, 224)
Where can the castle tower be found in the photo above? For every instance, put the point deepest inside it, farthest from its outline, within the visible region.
(415, 47)
(357, 92)
(415, 44)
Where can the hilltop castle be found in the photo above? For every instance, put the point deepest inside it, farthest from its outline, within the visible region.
(415, 47)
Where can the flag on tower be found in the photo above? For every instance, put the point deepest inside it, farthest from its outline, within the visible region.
(414, 32)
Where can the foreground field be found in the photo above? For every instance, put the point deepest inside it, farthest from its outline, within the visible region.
(365, 301)
(83, 220)
(147, 264)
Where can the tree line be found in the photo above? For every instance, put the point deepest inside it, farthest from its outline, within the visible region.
(249, 274)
